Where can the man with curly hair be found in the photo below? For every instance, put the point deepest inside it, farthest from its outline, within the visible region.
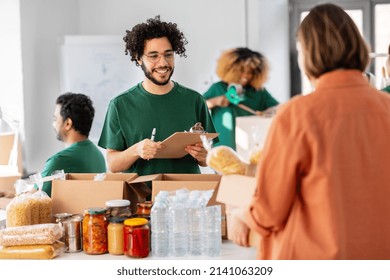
(72, 121)
(155, 104)
(247, 71)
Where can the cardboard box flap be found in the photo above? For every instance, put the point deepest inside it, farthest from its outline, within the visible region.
(146, 178)
(236, 190)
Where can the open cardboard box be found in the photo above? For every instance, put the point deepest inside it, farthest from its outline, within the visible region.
(201, 182)
(79, 191)
(236, 191)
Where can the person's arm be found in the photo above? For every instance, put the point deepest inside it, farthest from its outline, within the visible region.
(119, 161)
(219, 101)
(238, 228)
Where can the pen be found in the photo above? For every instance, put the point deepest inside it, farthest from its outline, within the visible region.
(153, 134)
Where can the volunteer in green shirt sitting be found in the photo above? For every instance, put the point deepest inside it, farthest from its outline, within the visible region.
(73, 116)
(156, 102)
(246, 71)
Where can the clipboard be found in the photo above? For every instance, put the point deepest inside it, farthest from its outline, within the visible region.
(176, 143)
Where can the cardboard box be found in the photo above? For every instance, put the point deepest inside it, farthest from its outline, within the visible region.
(7, 144)
(8, 176)
(202, 182)
(79, 191)
(237, 191)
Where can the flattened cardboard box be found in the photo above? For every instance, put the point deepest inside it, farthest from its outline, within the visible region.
(79, 191)
(237, 191)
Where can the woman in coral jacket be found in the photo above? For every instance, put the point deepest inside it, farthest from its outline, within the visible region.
(323, 186)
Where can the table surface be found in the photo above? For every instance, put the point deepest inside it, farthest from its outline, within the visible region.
(229, 251)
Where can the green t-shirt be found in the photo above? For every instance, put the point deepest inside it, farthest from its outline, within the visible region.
(386, 89)
(132, 115)
(224, 118)
(80, 157)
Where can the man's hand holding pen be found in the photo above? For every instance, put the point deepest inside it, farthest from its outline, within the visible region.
(147, 148)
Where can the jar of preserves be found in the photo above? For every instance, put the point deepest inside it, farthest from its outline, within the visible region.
(136, 238)
(95, 231)
(115, 235)
(118, 208)
(143, 209)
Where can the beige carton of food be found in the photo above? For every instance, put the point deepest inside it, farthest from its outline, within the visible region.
(236, 191)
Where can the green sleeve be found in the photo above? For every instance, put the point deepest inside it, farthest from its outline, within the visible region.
(216, 89)
(111, 136)
(269, 100)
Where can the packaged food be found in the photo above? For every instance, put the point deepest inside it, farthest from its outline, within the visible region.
(225, 160)
(95, 231)
(30, 235)
(115, 235)
(29, 208)
(136, 238)
(118, 208)
(143, 209)
(18, 211)
(36, 252)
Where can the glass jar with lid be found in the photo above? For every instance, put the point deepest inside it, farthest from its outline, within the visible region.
(95, 231)
(115, 235)
(136, 238)
(118, 208)
(143, 209)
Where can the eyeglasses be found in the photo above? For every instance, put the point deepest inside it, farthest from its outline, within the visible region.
(155, 57)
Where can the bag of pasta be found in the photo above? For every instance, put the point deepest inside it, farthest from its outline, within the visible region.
(18, 210)
(42, 202)
(224, 159)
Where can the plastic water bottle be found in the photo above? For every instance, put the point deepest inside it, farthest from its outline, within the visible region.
(178, 235)
(212, 239)
(159, 220)
(196, 224)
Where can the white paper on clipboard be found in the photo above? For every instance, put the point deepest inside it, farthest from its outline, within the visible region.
(176, 143)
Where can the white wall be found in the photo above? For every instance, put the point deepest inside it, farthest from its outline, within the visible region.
(43, 24)
(268, 33)
(210, 27)
(11, 62)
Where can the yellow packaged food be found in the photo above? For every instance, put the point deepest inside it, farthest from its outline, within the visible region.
(34, 252)
(225, 160)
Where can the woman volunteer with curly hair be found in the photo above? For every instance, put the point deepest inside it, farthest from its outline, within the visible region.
(244, 71)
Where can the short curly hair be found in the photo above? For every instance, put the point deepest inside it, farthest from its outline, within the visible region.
(153, 28)
(79, 108)
(233, 61)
